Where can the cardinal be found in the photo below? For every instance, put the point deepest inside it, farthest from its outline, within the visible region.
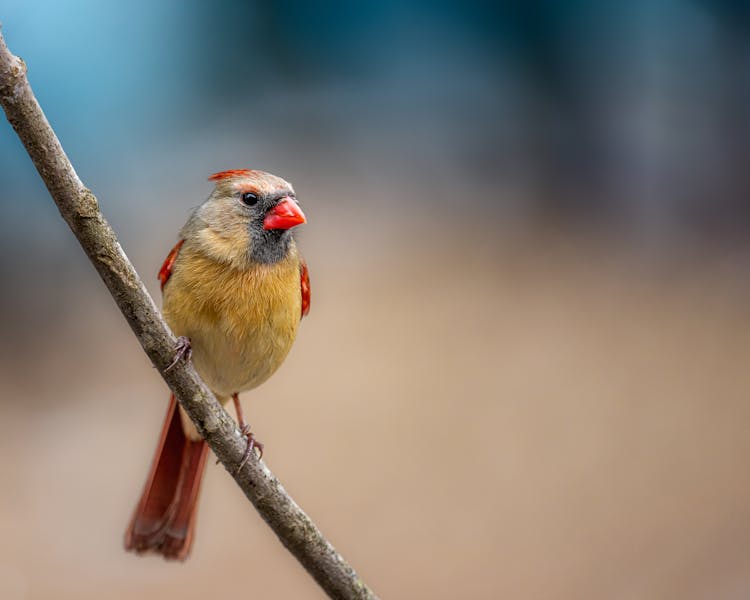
(235, 288)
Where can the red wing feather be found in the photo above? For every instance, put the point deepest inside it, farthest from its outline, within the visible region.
(305, 286)
(166, 269)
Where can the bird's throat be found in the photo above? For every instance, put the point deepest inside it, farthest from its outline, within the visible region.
(269, 246)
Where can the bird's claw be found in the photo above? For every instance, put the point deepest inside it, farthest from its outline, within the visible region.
(182, 350)
(252, 443)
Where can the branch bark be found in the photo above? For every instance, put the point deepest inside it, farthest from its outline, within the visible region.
(80, 209)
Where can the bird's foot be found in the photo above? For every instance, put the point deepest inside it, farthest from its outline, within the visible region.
(252, 443)
(182, 351)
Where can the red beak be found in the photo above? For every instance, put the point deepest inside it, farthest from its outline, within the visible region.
(285, 215)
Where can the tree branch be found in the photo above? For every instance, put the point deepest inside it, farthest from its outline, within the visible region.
(80, 209)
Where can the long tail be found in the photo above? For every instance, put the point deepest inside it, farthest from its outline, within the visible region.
(164, 519)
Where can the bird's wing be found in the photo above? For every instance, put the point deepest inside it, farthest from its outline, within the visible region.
(304, 286)
(166, 269)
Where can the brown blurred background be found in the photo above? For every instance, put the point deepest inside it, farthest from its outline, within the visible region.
(525, 370)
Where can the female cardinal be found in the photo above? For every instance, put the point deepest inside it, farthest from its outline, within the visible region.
(236, 287)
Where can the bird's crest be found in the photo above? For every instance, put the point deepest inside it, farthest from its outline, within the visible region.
(230, 173)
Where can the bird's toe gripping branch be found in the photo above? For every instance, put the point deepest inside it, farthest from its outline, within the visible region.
(182, 351)
(252, 443)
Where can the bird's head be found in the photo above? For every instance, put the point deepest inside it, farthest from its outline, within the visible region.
(249, 216)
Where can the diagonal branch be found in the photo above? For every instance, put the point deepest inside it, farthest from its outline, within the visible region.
(80, 209)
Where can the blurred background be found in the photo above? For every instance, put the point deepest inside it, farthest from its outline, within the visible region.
(525, 370)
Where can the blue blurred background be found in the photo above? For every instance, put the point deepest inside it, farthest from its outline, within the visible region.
(525, 369)
(635, 112)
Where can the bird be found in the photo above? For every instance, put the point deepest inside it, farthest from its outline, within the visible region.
(235, 288)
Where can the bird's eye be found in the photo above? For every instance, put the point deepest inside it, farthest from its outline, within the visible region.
(249, 199)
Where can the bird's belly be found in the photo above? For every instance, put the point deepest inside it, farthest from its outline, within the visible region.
(235, 363)
(240, 326)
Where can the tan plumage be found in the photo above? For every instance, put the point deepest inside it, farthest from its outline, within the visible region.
(241, 322)
(236, 287)
(241, 316)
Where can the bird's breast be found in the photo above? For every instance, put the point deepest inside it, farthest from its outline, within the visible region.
(241, 323)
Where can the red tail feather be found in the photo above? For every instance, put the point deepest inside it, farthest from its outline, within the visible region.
(165, 516)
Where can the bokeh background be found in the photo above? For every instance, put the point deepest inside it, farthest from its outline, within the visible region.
(525, 373)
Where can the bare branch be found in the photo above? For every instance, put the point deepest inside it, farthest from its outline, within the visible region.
(80, 209)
